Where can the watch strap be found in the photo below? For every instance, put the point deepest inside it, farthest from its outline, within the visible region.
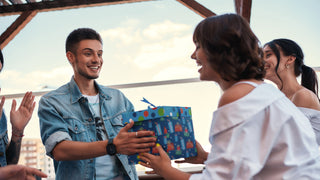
(110, 141)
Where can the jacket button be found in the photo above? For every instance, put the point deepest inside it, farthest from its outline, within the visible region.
(90, 119)
(1, 153)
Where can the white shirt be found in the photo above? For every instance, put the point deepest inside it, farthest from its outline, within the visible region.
(261, 136)
(104, 163)
(314, 118)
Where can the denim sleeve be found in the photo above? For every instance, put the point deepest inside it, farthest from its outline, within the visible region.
(3, 140)
(54, 139)
(53, 128)
(129, 106)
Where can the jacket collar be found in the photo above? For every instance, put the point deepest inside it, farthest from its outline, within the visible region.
(76, 94)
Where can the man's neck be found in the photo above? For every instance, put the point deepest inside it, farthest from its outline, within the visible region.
(86, 86)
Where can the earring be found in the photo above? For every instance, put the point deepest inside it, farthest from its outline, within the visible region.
(287, 66)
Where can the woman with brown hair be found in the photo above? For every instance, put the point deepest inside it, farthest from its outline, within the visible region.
(256, 132)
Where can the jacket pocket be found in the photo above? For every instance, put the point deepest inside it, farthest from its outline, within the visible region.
(116, 123)
(78, 130)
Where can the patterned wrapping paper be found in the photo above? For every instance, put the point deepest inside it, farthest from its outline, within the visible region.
(172, 126)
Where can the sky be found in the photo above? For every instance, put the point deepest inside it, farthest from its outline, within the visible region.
(145, 41)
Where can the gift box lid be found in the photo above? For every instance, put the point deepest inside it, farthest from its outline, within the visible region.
(156, 112)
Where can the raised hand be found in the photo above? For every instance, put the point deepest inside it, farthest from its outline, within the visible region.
(134, 142)
(21, 117)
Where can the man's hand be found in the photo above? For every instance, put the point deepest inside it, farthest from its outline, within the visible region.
(19, 172)
(134, 142)
(21, 117)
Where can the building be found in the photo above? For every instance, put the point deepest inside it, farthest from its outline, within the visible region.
(33, 154)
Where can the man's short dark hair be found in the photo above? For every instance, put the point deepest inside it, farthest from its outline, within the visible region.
(78, 35)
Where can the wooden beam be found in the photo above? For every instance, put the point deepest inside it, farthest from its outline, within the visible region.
(53, 5)
(16, 1)
(243, 8)
(4, 2)
(16, 27)
(197, 8)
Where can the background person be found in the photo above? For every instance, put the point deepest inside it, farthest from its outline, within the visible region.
(9, 154)
(284, 63)
(256, 132)
(19, 118)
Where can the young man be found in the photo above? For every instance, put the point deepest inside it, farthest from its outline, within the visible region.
(81, 124)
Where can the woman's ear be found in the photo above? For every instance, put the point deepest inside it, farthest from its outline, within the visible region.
(291, 59)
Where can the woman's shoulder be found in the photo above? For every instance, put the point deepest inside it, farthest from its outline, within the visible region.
(235, 92)
(306, 98)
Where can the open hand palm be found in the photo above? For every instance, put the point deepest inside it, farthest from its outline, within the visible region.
(20, 118)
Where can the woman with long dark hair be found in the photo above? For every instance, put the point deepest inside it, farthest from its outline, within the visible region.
(284, 62)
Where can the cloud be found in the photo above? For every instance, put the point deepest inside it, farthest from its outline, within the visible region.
(35, 80)
(176, 73)
(122, 35)
(131, 31)
(148, 47)
(159, 30)
(151, 55)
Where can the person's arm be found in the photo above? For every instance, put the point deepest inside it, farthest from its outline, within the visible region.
(162, 165)
(13, 150)
(125, 142)
(19, 119)
(19, 172)
(76, 150)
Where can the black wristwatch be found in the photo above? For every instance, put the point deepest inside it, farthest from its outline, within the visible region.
(111, 148)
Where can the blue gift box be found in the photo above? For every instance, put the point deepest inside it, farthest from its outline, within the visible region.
(172, 126)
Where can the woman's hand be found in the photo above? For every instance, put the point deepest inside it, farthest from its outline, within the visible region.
(157, 163)
(199, 159)
(162, 165)
(21, 117)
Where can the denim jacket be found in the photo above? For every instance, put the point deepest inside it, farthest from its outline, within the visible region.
(65, 115)
(3, 139)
